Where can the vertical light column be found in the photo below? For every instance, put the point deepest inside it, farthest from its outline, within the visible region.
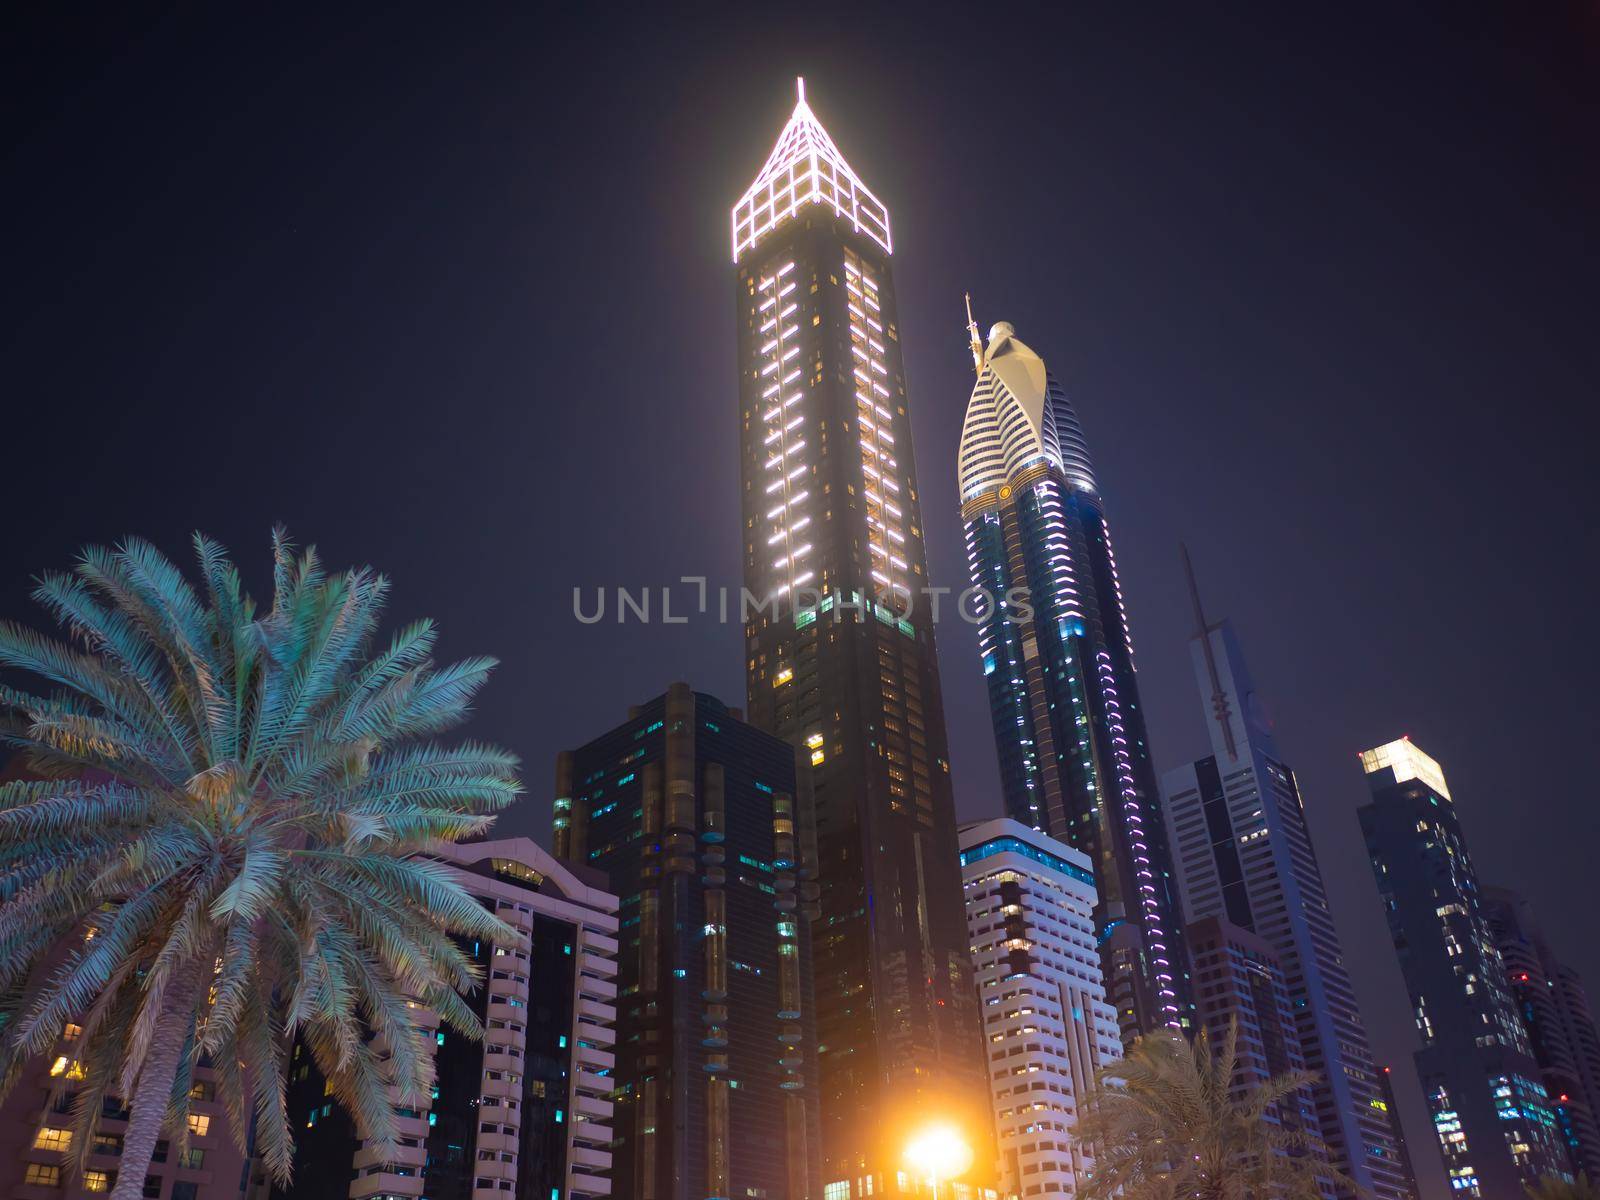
(1138, 846)
(784, 440)
(879, 467)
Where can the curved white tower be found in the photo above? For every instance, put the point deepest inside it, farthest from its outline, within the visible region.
(1074, 758)
(1018, 417)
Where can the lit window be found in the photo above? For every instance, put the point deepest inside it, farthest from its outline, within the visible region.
(53, 1139)
(199, 1124)
(42, 1175)
(97, 1181)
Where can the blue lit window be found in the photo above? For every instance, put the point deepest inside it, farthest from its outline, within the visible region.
(1011, 845)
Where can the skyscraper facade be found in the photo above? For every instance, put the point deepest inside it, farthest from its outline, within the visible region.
(1497, 1132)
(1069, 729)
(1561, 1028)
(831, 513)
(524, 1113)
(1047, 1025)
(703, 825)
(1408, 1174)
(1244, 854)
(1239, 985)
(38, 1147)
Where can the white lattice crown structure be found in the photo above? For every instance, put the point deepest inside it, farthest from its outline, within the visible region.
(805, 167)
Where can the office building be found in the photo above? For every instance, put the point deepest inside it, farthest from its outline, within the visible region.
(703, 825)
(1561, 1029)
(524, 1114)
(1239, 984)
(1046, 1022)
(840, 646)
(1497, 1132)
(1243, 853)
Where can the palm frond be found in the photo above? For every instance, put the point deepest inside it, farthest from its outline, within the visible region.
(217, 855)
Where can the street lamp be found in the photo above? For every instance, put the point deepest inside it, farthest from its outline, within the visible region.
(938, 1152)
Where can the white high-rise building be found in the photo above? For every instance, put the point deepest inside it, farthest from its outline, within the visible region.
(1047, 1026)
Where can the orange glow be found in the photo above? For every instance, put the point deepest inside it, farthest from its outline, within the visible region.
(938, 1152)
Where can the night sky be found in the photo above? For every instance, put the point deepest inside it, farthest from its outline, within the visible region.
(450, 293)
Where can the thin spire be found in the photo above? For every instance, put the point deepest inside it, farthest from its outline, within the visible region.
(1219, 698)
(977, 342)
(800, 87)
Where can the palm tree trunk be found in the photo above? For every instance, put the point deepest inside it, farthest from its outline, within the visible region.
(148, 1107)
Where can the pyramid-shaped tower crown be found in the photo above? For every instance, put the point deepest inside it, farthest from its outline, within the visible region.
(805, 167)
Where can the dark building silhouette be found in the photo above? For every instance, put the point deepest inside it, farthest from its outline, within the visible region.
(840, 649)
(1561, 1028)
(703, 825)
(1058, 661)
(1496, 1129)
(1243, 853)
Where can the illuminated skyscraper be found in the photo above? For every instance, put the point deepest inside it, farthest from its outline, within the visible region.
(1561, 1028)
(1497, 1132)
(1068, 727)
(1243, 854)
(1048, 1028)
(703, 826)
(830, 508)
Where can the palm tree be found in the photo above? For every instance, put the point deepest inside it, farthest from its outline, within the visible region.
(1552, 1187)
(1164, 1123)
(223, 845)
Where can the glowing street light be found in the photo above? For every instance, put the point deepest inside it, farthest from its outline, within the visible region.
(938, 1152)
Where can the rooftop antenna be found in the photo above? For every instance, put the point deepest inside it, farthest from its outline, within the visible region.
(800, 87)
(1219, 698)
(977, 342)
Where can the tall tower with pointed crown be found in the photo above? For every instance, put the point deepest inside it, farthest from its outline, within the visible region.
(840, 652)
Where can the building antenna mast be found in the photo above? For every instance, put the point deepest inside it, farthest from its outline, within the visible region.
(1219, 698)
(977, 342)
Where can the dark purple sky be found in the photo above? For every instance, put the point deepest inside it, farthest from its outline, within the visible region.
(450, 294)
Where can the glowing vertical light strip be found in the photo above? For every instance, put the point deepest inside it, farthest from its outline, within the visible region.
(784, 439)
(880, 470)
(1138, 848)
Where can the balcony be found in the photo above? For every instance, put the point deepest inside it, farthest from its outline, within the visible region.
(589, 1031)
(595, 1085)
(593, 1107)
(594, 1010)
(589, 1185)
(404, 1156)
(497, 1141)
(589, 1056)
(594, 1160)
(599, 943)
(384, 1184)
(593, 964)
(502, 1088)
